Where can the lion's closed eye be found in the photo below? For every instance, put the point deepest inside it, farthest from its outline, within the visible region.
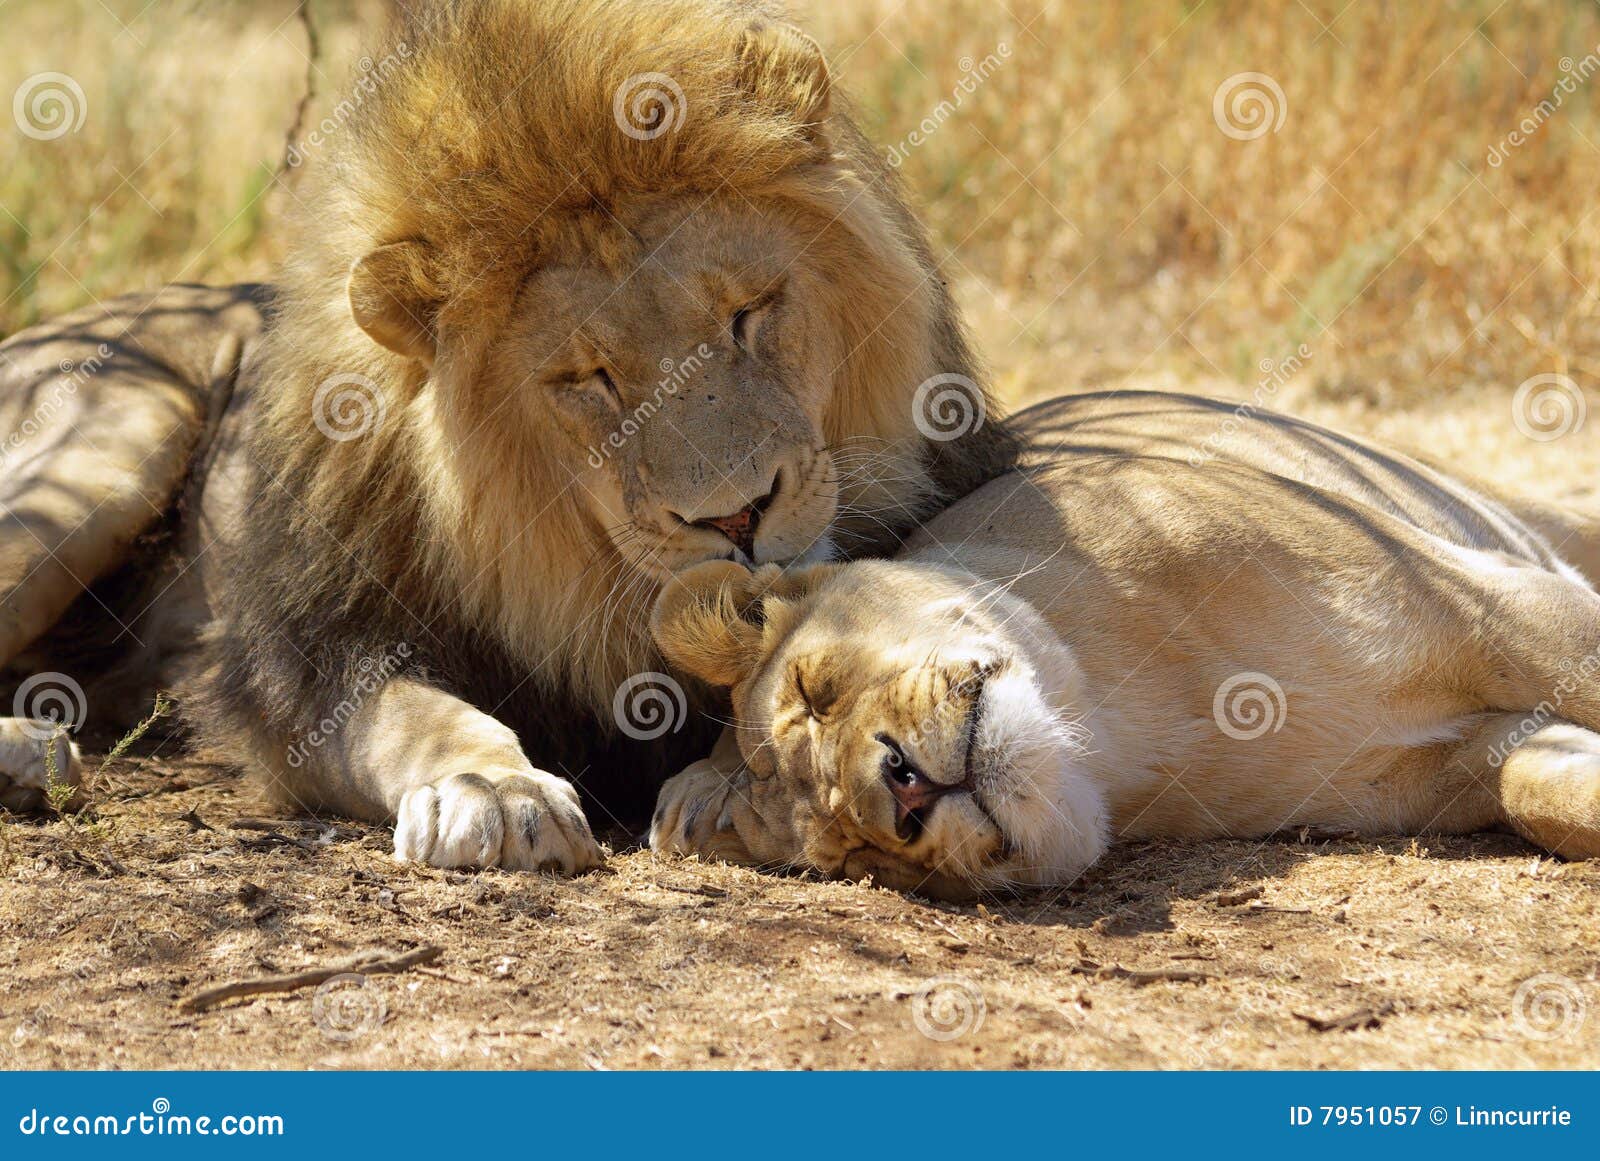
(746, 322)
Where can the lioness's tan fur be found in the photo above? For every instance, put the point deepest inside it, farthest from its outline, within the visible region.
(1150, 631)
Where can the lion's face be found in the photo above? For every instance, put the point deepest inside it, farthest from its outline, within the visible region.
(599, 355)
(683, 390)
(893, 719)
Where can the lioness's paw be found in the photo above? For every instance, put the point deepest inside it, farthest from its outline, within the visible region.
(690, 816)
(27, 765)
(520, 822)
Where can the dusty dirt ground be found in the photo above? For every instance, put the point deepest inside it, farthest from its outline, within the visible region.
(1420, 947)
(1308, 951)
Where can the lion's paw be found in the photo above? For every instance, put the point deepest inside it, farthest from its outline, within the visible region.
(519, 822)
(27, 764)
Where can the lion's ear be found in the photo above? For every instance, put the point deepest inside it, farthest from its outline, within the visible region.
(394, 297)
(783, 69)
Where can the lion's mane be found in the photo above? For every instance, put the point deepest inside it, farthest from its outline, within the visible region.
(487, 127)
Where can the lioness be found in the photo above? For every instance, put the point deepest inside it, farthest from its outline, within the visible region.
(579, 292)
(1129, 638)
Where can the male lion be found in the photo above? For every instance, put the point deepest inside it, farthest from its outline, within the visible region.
(580, 292)
(1123, 639)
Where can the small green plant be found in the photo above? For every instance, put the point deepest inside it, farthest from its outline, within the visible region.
(58, 791)
(72, 803)
(162, 707)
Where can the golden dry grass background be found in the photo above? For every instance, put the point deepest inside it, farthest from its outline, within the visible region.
(1100, 225)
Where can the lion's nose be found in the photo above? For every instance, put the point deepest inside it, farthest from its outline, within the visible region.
(739, 527)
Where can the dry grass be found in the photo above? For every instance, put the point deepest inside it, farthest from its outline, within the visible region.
(1427, 948)
(1087, 187)
(1101, 227)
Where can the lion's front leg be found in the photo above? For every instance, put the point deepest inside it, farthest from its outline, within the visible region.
(457, 786)
(39, 764)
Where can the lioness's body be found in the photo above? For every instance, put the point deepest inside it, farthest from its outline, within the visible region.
(1393, 605)
(1228, 636)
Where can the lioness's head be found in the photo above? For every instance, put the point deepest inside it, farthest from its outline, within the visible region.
(622, 289)
(894, 719)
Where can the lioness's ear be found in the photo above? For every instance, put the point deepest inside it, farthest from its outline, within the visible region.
(706, 624)
(394, 297)
(784, 70)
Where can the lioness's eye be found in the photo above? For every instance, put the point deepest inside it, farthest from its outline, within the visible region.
(896, 766)
(800, 685)
(603, 377)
